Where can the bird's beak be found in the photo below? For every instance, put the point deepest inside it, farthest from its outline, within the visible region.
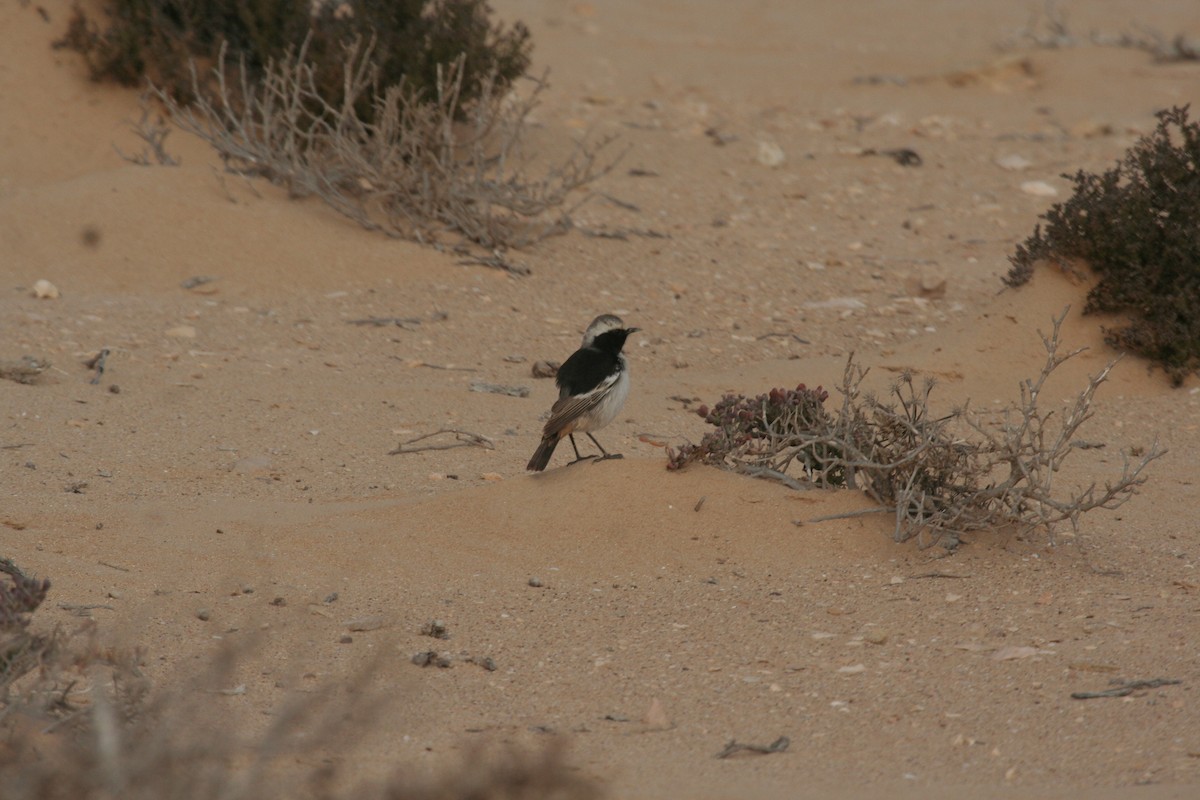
(631, 330)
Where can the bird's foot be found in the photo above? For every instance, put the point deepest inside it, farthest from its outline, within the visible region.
(608, 457)
(581, 458)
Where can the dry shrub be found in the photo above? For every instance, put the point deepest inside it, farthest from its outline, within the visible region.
(78, 722)
(184, 743)
(132, 41)
(940, 475)
(418, 165)
(1134, 226)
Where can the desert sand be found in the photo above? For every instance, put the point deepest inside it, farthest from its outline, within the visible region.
(233, 458)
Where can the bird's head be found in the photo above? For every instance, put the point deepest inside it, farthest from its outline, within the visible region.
(603, 324)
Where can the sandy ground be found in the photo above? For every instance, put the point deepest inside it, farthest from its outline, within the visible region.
(234, 456)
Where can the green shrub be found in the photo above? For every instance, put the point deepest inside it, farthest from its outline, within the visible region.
(1137, 226)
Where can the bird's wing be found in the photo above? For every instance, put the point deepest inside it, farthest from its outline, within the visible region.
(568, 409)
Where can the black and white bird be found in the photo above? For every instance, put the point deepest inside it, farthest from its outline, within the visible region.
(592, 386)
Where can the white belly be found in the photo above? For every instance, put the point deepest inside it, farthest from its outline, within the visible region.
(608, 408)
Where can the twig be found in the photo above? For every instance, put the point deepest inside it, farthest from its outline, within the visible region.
(97, 363)
(499, 388)
(851, 514)
(755, 471)
(1126, 688)
(418, 363)
(937, 575)
(734, 746)
(496, 261)
(623, 234)
(793, 336)
(154, 132)
(380, 322)
(110, 565)
(83, 610)
(465, 439)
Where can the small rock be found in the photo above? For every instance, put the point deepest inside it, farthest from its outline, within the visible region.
(45, 290)
(770, 155)
(1039, 189)
(536, 582)
(347, 639)
(499, 388)
(850, 303)
(1013, 652)
(431, 658)
(181, 332)
(279, 601)
(929, 286)
(875, 637)
(853, 670)
(435, 628)
(1013, 162)
(371, 623)
(492, 476)
(252, 464)
(204, 615)
(545, 369)
(656, 718)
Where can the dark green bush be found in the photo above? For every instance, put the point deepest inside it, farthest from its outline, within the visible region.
(158, 39)
(1137, 227)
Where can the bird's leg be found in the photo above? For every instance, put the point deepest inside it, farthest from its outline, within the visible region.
(578, 457)
(607, 455)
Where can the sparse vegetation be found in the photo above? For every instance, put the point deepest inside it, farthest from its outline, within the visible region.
(400, 116)
(1135, 227)
(78, 722)
(158, 40)
(413, 171)
(1048, 28)
(940, 475)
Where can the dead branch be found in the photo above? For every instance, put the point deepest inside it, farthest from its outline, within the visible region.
(939, 475)
(425, 164)
(463, 439)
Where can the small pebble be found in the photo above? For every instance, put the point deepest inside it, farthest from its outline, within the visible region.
(545, 369)
(365, 623)
(1039, 189)
(204, 615)
(435, 628)
(770, 155)
(45, 290)
(536, 583)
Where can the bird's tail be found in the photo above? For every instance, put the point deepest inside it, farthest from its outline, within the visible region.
(541, 456)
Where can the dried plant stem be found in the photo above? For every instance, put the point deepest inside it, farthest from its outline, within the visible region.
(421, 166)
(940, 476)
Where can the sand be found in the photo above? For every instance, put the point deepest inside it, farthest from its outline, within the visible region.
(234, 457)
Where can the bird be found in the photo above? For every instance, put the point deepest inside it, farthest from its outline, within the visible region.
(592, 386)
